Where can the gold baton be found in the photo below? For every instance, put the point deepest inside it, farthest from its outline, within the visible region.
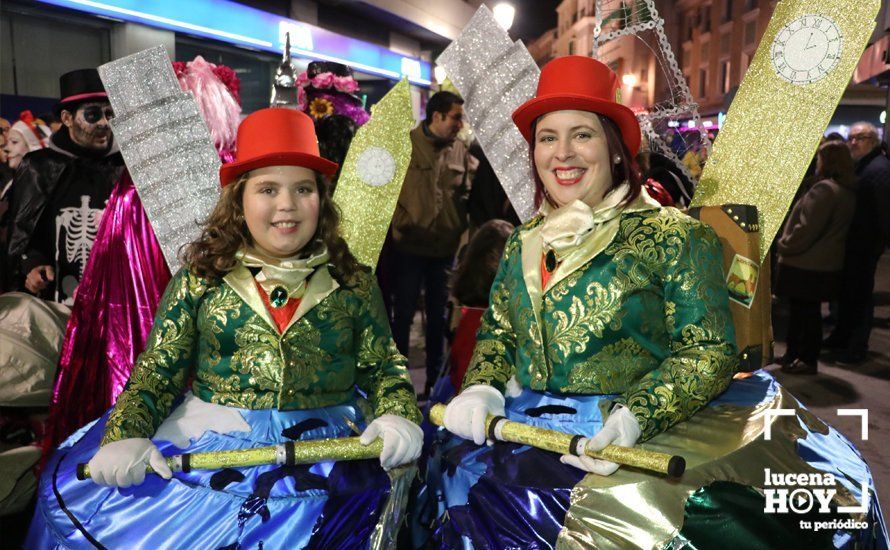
(501, 429)
(289, 454)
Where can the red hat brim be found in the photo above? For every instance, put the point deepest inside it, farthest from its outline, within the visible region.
(67, 103)
(228, 172)
(627, 122)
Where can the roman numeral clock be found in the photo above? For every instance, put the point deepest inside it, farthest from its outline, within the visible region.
(789, 93)
(807, 49)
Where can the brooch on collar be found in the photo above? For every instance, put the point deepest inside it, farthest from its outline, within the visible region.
(278, 297)
(550, 261)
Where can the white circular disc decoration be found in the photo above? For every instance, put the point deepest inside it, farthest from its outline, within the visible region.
(376, 166)
(807, 49)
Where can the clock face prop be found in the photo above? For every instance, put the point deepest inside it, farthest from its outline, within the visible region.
(376, 166)
(807, 49)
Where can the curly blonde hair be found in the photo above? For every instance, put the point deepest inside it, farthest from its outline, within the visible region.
(225, 231)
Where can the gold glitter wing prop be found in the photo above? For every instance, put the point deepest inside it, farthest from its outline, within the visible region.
(288, 454)
(373, 172)
(501, 429)
(804, 63)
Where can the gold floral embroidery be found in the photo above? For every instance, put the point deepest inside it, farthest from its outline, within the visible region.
(649, 317)
(611, 370)
(242, 362)
(160, 371)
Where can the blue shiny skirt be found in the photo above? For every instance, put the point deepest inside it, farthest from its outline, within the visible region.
(322, 505)
(515, 496)
(509, 495)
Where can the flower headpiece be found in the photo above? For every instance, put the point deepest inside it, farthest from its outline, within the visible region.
(328, 88)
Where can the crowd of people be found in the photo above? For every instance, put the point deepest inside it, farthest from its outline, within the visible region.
(610, 303)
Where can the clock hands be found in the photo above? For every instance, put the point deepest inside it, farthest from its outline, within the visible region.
(808, 45)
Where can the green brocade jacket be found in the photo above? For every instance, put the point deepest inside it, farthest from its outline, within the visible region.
(641, 311)
(221, 334)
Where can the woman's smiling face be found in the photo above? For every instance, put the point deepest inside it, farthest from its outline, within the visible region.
(572, 157)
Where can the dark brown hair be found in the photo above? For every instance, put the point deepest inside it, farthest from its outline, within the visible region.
(837, 163)
(441, 103)
(472, 281)
(626, 170)
(225, 231)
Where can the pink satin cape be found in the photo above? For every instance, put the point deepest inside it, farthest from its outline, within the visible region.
(112, 315)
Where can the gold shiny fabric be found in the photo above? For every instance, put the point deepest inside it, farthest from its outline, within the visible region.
(288, 273)
(635, 509)
(221, 335)
(643, 314)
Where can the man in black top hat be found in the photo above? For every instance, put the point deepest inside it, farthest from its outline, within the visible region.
(59, 193)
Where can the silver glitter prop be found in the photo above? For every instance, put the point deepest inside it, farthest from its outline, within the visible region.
(640, 20)
(166, 145)
(495, 76)
(284, 88)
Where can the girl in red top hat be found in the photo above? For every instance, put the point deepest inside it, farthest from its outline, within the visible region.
(271, 333)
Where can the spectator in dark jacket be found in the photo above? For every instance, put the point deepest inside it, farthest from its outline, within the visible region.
(811, 254)
(868, 235)
(59, 193)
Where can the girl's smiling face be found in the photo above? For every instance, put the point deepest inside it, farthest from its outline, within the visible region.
(281, 205)
(572, 157)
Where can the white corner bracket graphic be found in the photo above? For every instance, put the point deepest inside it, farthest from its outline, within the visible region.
(768, 420)
(857, 412)
(863, 505)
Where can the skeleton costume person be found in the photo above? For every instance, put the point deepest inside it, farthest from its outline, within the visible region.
(59, 193)
(126, 275)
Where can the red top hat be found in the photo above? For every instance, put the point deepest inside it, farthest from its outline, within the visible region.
(575, 82)
(276, 137)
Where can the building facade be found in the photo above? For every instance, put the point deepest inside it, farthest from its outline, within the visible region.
(381, 40)
(714, 42)
(717, 41)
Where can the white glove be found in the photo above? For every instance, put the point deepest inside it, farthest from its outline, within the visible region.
(122, 463)
(621, 429)
(402, 439)
(465, 415)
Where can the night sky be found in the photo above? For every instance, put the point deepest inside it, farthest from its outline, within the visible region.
(533, 17)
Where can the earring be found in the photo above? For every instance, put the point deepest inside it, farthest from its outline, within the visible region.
(616, 159)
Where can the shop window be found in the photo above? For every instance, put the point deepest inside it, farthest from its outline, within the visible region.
(750, 32)
(31, 65)
(703, 83)
(254, 70)
(725, 72)
(706, 19)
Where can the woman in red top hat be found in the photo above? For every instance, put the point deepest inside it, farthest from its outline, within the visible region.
(274, 333)
(609, 320)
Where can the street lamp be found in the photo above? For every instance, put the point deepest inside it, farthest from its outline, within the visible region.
(629, 80)
(503, 14)
(439, 73)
